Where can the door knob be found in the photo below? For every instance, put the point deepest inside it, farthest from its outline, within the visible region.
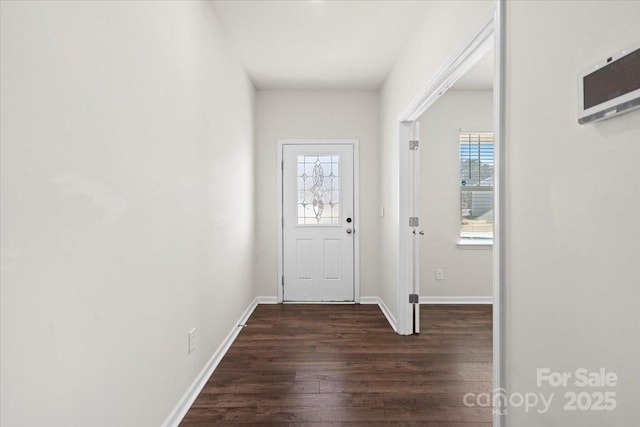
(349, 231)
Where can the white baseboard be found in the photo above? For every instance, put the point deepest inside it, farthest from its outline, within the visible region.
(320, 302)
(456, 300)
(267, 300)
(387, 313)
(383, 307)
(198, 384)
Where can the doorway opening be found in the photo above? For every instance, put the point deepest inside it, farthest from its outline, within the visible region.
(489, 36)
(454, 197)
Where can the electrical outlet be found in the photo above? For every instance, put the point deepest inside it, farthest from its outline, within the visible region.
(381, 211)
(439, 274)
(192, 340)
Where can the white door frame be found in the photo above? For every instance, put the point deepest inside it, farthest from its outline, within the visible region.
(490, 33)
(356, 210)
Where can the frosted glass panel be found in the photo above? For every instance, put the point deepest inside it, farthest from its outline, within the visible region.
(318, 190)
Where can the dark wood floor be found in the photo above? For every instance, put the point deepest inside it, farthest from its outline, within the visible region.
(330, 365)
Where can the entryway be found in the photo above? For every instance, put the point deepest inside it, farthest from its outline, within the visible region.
(319, 220)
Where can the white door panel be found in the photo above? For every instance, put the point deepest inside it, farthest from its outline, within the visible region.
(331, 258)
(318, 226)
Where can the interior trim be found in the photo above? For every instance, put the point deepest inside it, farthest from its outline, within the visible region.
(383, 307)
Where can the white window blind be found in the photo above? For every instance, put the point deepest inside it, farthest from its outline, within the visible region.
(476, 185)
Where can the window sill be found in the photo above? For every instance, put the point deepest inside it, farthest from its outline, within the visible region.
(475, 244)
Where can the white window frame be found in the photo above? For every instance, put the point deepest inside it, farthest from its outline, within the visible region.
(471, 241)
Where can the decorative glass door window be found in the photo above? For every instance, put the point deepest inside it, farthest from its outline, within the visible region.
(318, 190)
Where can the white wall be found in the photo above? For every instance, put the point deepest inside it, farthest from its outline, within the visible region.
(572, 268)
(432, 44)
(309, 114)
(127, 208)
(573, 276)
(467, 271)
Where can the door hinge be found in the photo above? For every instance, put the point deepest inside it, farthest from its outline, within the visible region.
(282, 165)
(414, 221)
(282, 222)
(282, 282)
(414, 145)
(414, 299)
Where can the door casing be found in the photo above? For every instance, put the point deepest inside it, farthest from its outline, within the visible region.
(356, 210)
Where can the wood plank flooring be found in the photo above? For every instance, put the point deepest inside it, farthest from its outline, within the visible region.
(342, 365)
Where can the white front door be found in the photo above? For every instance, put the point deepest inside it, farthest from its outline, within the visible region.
(318, 222)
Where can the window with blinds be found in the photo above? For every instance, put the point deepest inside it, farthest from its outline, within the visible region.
(476, 185)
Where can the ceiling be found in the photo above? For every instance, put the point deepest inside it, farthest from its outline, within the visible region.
(316, 44)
